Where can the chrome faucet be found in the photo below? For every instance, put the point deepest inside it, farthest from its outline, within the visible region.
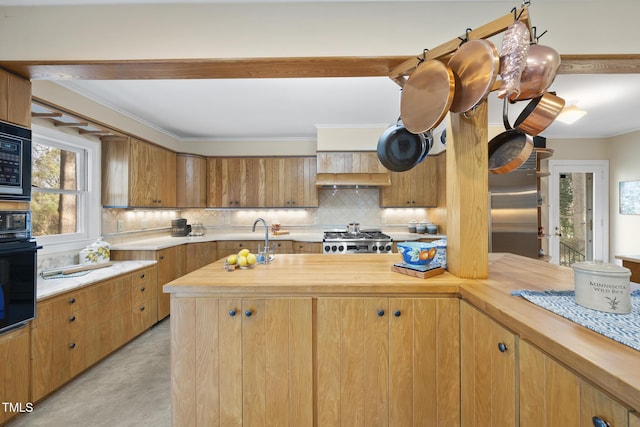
(266, 238)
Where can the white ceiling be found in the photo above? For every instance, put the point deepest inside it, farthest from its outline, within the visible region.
(254, 109)
(241, 109)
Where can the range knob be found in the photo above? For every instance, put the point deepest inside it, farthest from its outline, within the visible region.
(388, 248)
(334, 248)
(374, 248)
(327, 248)
(340, 248)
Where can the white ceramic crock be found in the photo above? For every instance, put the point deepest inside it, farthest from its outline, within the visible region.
(602, 286)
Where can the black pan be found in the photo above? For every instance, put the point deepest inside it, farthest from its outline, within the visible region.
(510, 149)
(400, 150)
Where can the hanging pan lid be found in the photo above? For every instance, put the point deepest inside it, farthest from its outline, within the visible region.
(475, 66)
(427, 96)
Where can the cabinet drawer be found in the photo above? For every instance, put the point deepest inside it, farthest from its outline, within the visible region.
(68, 304)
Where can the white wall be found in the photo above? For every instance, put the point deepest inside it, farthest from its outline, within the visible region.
(624, 166)
(296, 29)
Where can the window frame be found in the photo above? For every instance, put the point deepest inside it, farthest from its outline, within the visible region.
(89, 224)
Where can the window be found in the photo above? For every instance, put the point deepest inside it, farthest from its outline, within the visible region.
(65, 193)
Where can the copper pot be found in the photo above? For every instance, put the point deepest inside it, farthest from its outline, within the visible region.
(539, 72)
(510, 149)
(539, 114)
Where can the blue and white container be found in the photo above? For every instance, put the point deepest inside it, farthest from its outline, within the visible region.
(602, 286)
(441, 254)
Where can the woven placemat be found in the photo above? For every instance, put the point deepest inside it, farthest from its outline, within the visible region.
(624, 328)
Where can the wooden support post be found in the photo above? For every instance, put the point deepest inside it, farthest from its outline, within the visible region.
(467, 195)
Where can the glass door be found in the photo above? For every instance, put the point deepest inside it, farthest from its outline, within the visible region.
(578, 211)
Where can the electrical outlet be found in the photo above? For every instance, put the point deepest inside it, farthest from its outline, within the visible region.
(120, 225)
(144, 223)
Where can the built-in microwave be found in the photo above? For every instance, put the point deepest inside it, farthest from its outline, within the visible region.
(15, 162)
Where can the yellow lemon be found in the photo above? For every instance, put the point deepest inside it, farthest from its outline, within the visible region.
(232, 259)
(242, 261)
(251, 259)
(244, 252)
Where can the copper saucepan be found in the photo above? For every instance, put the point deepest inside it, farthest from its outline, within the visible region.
(510, 149)
(427, 96)
(475, 66)
(539, 114)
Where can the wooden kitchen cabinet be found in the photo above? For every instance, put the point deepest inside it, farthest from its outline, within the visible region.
(171, 265)
(191, 181)
(251, 353)
(387, 362)
(551, 395)
(634, 419)
(15, 99)
(274, 182)
(199, 254)
(307, 247)
(137, 174)
(290, 182)
(14, 372)
(488, 371)
(235, 182)
(228, 247)
(417, 187)
(74, 330)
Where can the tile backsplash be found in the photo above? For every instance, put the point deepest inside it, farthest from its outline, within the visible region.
(337, 208)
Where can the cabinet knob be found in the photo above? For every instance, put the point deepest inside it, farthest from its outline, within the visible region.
(142, 308)
(397, 313)
(599, 422)
(72, 345)
(502, 347)
(142, 276)
(142, 289)
(161, 257)
(248, 313)
(380, 312)
(232, 312)
(72, 318)
(72, 300)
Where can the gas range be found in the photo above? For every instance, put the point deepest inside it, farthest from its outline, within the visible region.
(360, 242)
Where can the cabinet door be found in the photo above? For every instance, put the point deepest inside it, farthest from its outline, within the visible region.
(424, 185)
(595, 404)
(634, 420)
(199, 254)
(549, 393)
(387, 362)
(171, 265)
(191, 181)
(164, 172)
(307, 247)
(398, 194)
(488, 375)
(14, 371)
(142, 183)
(15, 99)
(255, 362)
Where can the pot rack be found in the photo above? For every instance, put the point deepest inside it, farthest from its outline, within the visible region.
(400, 73)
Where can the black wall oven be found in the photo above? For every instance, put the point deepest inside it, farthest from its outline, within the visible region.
(15, 162)
(18, 267)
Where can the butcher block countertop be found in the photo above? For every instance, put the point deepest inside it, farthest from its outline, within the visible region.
(604, 362)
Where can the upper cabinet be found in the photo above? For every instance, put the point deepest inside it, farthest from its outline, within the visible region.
(417, 187)
(281, 182)
(191, 181)
(350, 168)
(137, 174)
(15, 99)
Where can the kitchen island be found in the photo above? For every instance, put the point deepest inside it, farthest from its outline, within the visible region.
(343, 340)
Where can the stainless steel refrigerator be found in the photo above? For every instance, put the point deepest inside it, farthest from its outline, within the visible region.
(513, 213)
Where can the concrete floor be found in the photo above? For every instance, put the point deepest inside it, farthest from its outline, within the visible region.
(131, 387)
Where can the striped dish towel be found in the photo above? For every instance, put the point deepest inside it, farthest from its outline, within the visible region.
(624, 328)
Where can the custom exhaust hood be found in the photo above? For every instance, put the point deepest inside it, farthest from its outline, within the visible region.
(347, 157)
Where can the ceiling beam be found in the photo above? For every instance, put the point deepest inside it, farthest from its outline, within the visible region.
(379, 66)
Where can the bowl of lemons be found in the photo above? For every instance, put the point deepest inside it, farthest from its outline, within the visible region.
(243, 259)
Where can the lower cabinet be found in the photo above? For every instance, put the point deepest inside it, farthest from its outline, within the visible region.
(387, 362)
(74, 330)
(488, 355)
(254, 362)
(14, 372)
(198, 255)
(551, 395)
(307, 247)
